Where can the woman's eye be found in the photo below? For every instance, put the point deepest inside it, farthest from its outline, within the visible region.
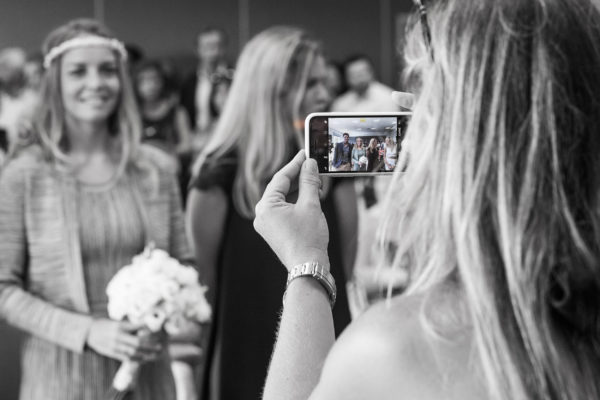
(312, 83)
(109, 70)
(77, 72)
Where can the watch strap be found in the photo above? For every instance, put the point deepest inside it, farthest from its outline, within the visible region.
(317, 271)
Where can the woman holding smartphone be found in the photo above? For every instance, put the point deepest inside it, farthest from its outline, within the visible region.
(279, 80)
(494, 220)
(76, 206)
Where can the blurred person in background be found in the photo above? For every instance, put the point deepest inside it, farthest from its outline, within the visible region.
(18, 100)
(358, 151)
(197, 89)
(342, 154)
(75, 207)
(164, 122)
(390, 154)
(365, 93)
(279, 80)
(496, 225)
(34, 70)
(372, 156)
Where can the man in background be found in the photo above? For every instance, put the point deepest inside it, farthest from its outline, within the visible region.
(199, 88)
(343, 154)
(365, 94)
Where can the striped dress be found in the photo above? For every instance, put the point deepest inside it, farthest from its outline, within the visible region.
(111, 233)
(61, 242)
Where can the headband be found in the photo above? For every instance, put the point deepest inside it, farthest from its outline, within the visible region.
(84, 41)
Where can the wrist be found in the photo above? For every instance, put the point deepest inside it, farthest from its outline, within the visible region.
(317, 255)
(317, 272)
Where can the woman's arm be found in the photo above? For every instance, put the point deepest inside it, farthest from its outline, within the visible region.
(304, 339)
(179, 244)
(205, 222)
(18, 307)
(206, 217)
(297, 233)
(354, 157)
(183, 129)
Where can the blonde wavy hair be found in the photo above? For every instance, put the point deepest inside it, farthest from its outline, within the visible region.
(500, 200)
(257, 123)
(50, 130)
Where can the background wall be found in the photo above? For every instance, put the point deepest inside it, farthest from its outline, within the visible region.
(167, 28)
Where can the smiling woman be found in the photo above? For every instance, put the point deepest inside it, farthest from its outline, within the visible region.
(90, 84)
(75, 206)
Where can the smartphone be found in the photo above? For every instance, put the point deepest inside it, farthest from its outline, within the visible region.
(355, 144)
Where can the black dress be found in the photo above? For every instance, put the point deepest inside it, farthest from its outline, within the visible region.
(250, 285)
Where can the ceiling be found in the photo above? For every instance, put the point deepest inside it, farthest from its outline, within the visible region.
(366, 126)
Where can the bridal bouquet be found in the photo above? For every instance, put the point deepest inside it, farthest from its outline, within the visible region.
(157, 292)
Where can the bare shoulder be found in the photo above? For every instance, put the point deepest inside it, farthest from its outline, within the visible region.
(387, 353)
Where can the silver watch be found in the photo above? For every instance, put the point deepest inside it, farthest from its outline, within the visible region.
(317, 271)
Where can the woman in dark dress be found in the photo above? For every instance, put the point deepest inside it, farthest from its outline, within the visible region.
(279, 80)
(372, 156)
(165, 124)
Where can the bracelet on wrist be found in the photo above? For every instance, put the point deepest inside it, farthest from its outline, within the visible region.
(317, 271)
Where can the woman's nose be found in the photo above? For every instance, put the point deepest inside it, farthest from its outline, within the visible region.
(94, 79)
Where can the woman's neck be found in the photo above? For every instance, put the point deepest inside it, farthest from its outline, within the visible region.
(88, 138)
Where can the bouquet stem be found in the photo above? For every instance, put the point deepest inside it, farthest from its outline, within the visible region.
(126, 376)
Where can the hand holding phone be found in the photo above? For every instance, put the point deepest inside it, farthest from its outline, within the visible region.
(355, 144)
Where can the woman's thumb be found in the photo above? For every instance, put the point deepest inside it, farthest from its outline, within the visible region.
(309, 183)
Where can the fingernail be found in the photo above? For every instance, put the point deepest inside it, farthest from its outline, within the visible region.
(310, 165)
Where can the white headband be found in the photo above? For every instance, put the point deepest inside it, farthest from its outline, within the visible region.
(84, 41)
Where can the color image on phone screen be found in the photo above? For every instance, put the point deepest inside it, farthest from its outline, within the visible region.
(356, 144)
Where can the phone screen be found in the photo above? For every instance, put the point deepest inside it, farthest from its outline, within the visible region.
(356, 144)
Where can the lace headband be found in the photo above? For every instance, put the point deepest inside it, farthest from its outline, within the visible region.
(84, 41)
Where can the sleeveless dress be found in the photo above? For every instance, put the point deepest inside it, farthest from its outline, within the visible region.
(250, 286)
(390, 157)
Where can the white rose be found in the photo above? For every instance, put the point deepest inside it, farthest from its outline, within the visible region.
(154, 320)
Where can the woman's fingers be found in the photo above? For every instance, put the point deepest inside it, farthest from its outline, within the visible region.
(135, 347)
(404, 100)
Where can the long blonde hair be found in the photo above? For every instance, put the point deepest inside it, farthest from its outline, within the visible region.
(501, 194)
(51, 126)
(372, 144)
(257, 123)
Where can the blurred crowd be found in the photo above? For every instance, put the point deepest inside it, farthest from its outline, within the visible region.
(179, 111)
